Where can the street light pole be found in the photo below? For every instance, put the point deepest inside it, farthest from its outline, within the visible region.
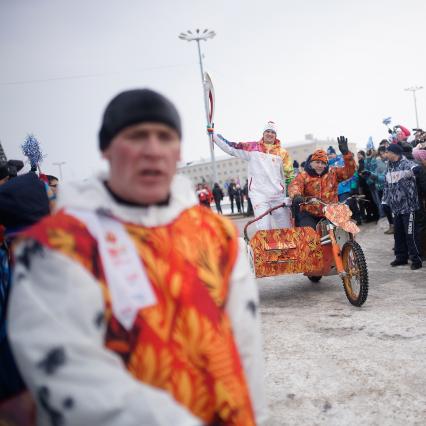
(414, 89)
(60, 164)
(198, 36)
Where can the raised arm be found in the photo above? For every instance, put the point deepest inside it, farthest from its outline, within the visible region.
(236, 149)
(347, 171)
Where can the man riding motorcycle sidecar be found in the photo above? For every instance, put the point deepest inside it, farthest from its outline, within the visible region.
(319, 181)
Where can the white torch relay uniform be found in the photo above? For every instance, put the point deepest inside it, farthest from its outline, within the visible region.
(270, 169)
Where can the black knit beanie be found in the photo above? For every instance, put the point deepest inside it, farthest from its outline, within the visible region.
(395, 148)
(134, 107)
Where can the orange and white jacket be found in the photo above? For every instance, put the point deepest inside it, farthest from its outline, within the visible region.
(270, 167)
(79, 362)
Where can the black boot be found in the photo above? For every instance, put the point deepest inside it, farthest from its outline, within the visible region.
(399, 262)
(416, 265)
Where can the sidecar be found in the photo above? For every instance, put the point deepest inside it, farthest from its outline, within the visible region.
(330, 249)
(292, 251)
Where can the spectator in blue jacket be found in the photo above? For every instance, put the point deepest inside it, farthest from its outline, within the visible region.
(347, 187)
(400, 194)
(382, 164)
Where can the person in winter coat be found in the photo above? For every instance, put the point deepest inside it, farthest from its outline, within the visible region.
(203, 195)
(382, 165)
(132, 304)
(369, 210)
(400, 194)
(23, 202)
(347, 187)
(246, 195)
(420, 220)
(419, 155)
(399, 134)
(296, 167)
(231, 193)
(239, 198)
(270, 169)
(373, 174)
(320, 181)
(218, 197)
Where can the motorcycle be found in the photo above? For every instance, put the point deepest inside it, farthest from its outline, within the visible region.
(330, 249)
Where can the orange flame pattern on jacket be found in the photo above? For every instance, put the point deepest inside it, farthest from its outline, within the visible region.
(322, 187)
(184, 344)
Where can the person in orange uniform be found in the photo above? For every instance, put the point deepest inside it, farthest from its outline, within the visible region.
(319, 180)
(132, 304)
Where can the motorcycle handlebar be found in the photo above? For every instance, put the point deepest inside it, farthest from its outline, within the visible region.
(313, 200)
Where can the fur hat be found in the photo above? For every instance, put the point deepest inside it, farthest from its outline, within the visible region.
(319, 155)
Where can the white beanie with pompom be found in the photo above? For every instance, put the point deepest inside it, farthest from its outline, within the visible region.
(271, 126)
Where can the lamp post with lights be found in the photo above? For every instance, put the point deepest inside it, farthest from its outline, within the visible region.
(60, 164)
(414, 89)
(198, 36)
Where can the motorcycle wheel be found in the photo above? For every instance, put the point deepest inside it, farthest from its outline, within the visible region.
(355, 282)
(314, 279)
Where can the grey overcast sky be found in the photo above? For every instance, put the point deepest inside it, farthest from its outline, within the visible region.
(326, 67)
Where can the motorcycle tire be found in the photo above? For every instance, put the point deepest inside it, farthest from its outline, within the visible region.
(355, 282)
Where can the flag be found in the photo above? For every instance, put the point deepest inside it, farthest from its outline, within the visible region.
(387, 121)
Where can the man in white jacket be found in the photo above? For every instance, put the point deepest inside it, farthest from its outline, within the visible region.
(132, 305)
(270, 170)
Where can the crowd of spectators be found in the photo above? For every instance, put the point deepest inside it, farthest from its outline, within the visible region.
(375, 178)
(392, 181)
(237, 196)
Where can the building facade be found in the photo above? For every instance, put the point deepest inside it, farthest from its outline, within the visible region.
(227, 168)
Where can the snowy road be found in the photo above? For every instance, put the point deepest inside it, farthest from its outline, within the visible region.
(329, 363)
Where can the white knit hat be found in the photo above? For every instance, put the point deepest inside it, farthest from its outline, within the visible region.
(270, 126)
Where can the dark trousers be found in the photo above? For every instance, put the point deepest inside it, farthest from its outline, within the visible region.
(388, 213)
(386, 209)
(250, 211)
(10, 379)
(218, 206)
(407, 237)
(238, 203)
(370, 207)
(420, 223)
(305, 219)
(231, 199)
